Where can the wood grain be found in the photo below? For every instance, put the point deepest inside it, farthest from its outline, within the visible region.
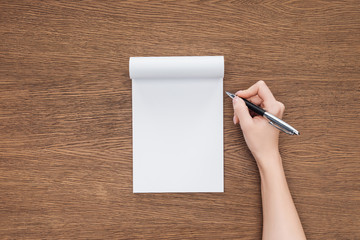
(65, 115)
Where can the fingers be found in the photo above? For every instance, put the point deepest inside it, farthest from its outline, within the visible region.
(261, 89)
(242, 112)
(259, 94)
(278, 109)
(255, 100)
(235, 119)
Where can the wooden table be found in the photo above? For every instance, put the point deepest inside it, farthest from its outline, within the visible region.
(65, 115)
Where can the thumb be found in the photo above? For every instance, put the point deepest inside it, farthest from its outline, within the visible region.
(242, 112)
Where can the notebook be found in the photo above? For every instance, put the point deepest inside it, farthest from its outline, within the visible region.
(177, 121)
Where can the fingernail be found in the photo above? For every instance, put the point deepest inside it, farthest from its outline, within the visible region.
(234, 120)
(236, 98)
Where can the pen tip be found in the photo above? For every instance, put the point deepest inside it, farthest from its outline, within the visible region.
(229, 94)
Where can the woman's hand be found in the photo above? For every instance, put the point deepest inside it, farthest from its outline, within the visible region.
(260, 136)
(280, 218)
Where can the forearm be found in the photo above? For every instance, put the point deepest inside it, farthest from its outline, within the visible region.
(280, 218)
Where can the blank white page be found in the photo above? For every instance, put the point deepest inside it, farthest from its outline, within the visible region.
(177, 109)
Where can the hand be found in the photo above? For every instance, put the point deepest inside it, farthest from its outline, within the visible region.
(261, 138)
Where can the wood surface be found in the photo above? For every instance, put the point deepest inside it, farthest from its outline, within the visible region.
(65, 115)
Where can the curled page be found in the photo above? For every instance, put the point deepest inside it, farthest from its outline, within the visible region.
(177, 107)
(176, 67)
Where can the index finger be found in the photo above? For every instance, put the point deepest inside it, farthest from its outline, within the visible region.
(259, 88)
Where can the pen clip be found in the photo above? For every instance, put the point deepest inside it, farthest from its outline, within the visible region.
(281, 129)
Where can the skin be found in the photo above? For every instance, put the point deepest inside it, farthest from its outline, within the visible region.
(280, 218)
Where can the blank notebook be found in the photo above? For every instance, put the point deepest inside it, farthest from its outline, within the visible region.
(177, 110)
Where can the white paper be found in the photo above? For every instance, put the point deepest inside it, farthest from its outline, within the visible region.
(177, 107)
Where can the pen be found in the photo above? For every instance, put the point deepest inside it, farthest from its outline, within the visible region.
(274, 121)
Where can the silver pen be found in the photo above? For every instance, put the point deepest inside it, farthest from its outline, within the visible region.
(276, 122)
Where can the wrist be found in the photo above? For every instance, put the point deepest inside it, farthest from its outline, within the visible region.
(268, 163)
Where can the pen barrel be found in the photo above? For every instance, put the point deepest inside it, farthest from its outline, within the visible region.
(254, 108)
(280, 124)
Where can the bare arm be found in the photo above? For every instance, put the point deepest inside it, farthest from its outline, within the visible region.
(280, 218)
